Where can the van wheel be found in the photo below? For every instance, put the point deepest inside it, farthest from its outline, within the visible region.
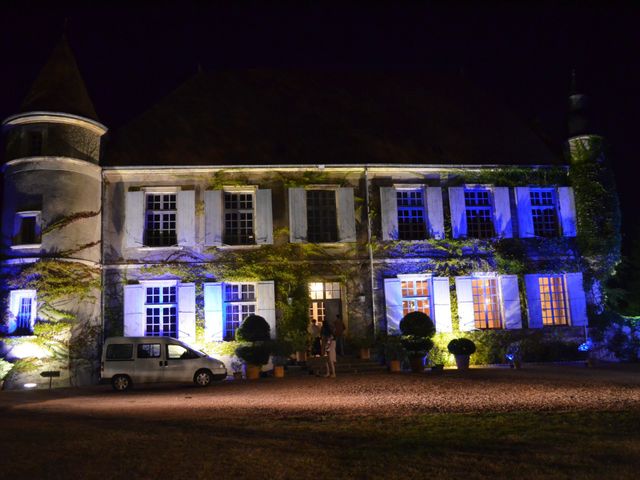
(203, 378)
(121, 383)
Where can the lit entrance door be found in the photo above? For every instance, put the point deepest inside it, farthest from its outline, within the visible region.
(325, 301)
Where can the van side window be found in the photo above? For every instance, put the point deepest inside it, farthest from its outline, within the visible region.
(149, 350)
(120, 351)
(178, 352)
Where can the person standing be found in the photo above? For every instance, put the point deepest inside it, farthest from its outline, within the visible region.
(314, 331)
(330, 353)
(338, 333)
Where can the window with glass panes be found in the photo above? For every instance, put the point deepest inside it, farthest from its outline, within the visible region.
(240, 302)
(553, 300)
(319, 293)
(23, 319)
(416, 296)
(544, 212)
(411, 215)
(478, 212)
(238, 218)
(161, 311)
(486, 303)
(160, 226)
(322, 224)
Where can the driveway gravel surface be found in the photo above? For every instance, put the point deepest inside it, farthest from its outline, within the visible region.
(545, 388)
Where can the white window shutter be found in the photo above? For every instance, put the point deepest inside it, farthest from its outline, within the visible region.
(393, 301)
(458, 212)
(134, 220)
(187, 312)
(577, 300)
(442, 304)
(213, 218)
(534, 308)
(502, 212)
(213, 318)
(297, 215)
(346, 209)
(435, 212)
(389, 213)
(264, 217)
(567, 205)
(186, 221)
(511, 301)
(525, 219)
(464, 295)
(134, 321)
(266, 306)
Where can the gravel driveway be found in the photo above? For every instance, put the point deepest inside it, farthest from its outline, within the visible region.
(499, 390)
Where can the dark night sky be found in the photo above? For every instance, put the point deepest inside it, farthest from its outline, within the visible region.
(523, 54)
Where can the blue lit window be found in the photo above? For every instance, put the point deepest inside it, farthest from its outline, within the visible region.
(240, 302)
(478, 212)
(544, 212)
(161, 312)
(411, 216)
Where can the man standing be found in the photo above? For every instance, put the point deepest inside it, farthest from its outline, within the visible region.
(338, 333)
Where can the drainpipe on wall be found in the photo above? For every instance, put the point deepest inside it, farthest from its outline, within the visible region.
(373, 282)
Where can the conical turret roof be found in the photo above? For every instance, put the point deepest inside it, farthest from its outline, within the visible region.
(59, 86)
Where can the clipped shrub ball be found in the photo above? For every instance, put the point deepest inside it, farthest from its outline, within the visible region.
(461, 346)
(253, 329)
(417, 324)
(416, 346)
(256, 354)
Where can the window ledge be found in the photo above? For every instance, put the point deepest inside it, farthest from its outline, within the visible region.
(239, 247)
(27, 246)
(160, 249)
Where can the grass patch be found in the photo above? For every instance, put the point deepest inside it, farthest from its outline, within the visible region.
(505, 445)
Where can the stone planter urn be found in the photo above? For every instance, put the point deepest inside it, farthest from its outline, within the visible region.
(253, 372)
(278, 371)
(462, 362)
(394, 366)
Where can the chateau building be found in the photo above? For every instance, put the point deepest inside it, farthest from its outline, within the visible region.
(292, 195)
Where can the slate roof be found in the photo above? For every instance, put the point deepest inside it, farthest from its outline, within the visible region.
(59, 87)
(262, 117)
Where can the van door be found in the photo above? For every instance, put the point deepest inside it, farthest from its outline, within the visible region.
(149, 362)
(182, 363)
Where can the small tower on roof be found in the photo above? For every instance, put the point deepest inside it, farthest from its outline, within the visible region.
(582, 140)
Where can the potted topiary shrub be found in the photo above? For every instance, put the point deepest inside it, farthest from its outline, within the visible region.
(254, 333)
(299, 342)
(437, 359)
(417, 329)
(364, 345)
(394, 353)
(462, 349)
(281, 350)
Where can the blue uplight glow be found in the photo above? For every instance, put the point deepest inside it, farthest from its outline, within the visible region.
(586, 346)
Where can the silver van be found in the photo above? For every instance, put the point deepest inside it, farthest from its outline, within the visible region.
(129, 360)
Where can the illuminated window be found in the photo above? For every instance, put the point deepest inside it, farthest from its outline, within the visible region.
(27, 228)
(161, 311)
(416, 296)
(411, 216)
(322, 224)
(240, 302)
(321, 293)
(486, 303)
(238, 218)
(553, 299)
(160, 227)
(478, 213)
(22, 305)
(544, 212)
